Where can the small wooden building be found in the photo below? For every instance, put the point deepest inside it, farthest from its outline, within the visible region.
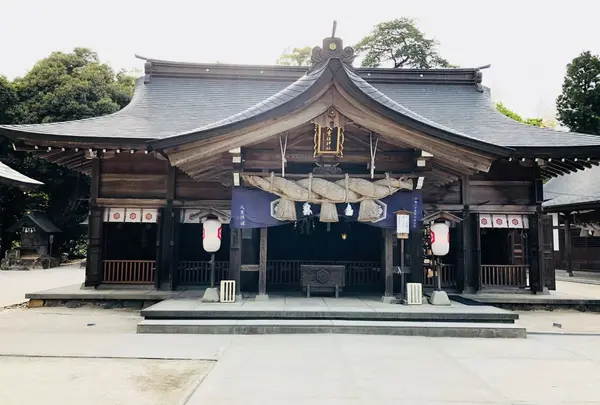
(306, 166)
(573, 201)
(37, 237)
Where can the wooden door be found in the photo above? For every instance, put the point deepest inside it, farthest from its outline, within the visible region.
(547, 252)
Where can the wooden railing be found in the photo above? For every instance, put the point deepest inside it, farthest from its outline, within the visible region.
(448, 277)
(358, 274)
(192, 272)
(504, 275)
(129, 271)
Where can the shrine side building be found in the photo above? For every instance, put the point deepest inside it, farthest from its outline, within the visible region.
(307, 165)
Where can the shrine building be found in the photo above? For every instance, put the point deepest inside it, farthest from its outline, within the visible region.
(307, 166)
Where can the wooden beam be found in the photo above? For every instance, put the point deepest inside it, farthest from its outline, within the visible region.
(352, 109)
(483, 209)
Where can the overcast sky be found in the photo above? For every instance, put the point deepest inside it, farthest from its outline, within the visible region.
(527, 42)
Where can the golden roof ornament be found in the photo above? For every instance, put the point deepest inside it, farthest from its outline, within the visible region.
(333, 47)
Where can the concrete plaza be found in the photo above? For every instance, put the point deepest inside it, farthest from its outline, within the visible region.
(93, 356)
(14, 284)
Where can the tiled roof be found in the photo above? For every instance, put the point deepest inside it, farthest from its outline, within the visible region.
(169, 105)
(13, 177)
(574, 188)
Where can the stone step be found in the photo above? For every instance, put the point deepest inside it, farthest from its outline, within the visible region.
(287, 326)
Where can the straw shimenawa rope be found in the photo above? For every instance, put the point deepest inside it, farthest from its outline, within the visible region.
(327, 193)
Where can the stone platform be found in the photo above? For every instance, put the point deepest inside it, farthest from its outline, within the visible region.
(350, 315)
(343, 308)
(568, 295)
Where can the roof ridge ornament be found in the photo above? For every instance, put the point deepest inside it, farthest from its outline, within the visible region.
(333, 47)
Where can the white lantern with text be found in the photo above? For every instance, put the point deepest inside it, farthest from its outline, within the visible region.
(440, 238)
(211, 235)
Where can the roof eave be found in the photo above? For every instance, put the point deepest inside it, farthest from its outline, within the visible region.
(16, 135)
(557, 151)
(572, 207)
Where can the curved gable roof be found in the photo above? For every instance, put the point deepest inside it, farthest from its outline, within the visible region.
(299, 93)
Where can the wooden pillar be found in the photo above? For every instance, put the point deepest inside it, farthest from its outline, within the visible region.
(467, 281)
(235, 258)
(568, 245)
(166, 267)
(415, 243)
(388, 262)
(93, 264)
(474, 283)
(262, 264)
(464, 267)
(536, 275)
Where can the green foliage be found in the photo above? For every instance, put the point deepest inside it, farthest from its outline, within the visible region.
(295, 57)
(402, 43)
(61, 87)
(536, 122)
(8, 98)
(579, 104)
(70, 86)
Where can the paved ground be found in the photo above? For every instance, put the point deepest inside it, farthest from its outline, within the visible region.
(15, 284)
(585, 277)
(289, 369)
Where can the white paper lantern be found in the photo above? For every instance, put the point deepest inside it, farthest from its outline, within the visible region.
(440, 239)
(211, 235)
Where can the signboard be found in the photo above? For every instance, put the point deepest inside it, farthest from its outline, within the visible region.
(402, 224)
(328, 141)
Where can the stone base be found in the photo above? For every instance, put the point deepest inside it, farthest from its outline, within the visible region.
(211, 295)
(545, 291)
(389, 300)
(439, 298)
(262, 298)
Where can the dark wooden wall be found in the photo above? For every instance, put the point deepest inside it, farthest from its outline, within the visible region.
(133, 176)
(506, 183)
(140, 176)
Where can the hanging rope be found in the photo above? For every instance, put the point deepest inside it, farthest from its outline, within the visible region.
(283, 148)
(373, 151)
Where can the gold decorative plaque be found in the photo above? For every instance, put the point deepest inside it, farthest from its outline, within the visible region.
(329, 141)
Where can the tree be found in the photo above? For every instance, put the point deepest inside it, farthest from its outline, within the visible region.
(402, 43)
(536, 122)
(8, 98)
(70, 86)
(61, 87)
(295, 57)
(579, 104)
